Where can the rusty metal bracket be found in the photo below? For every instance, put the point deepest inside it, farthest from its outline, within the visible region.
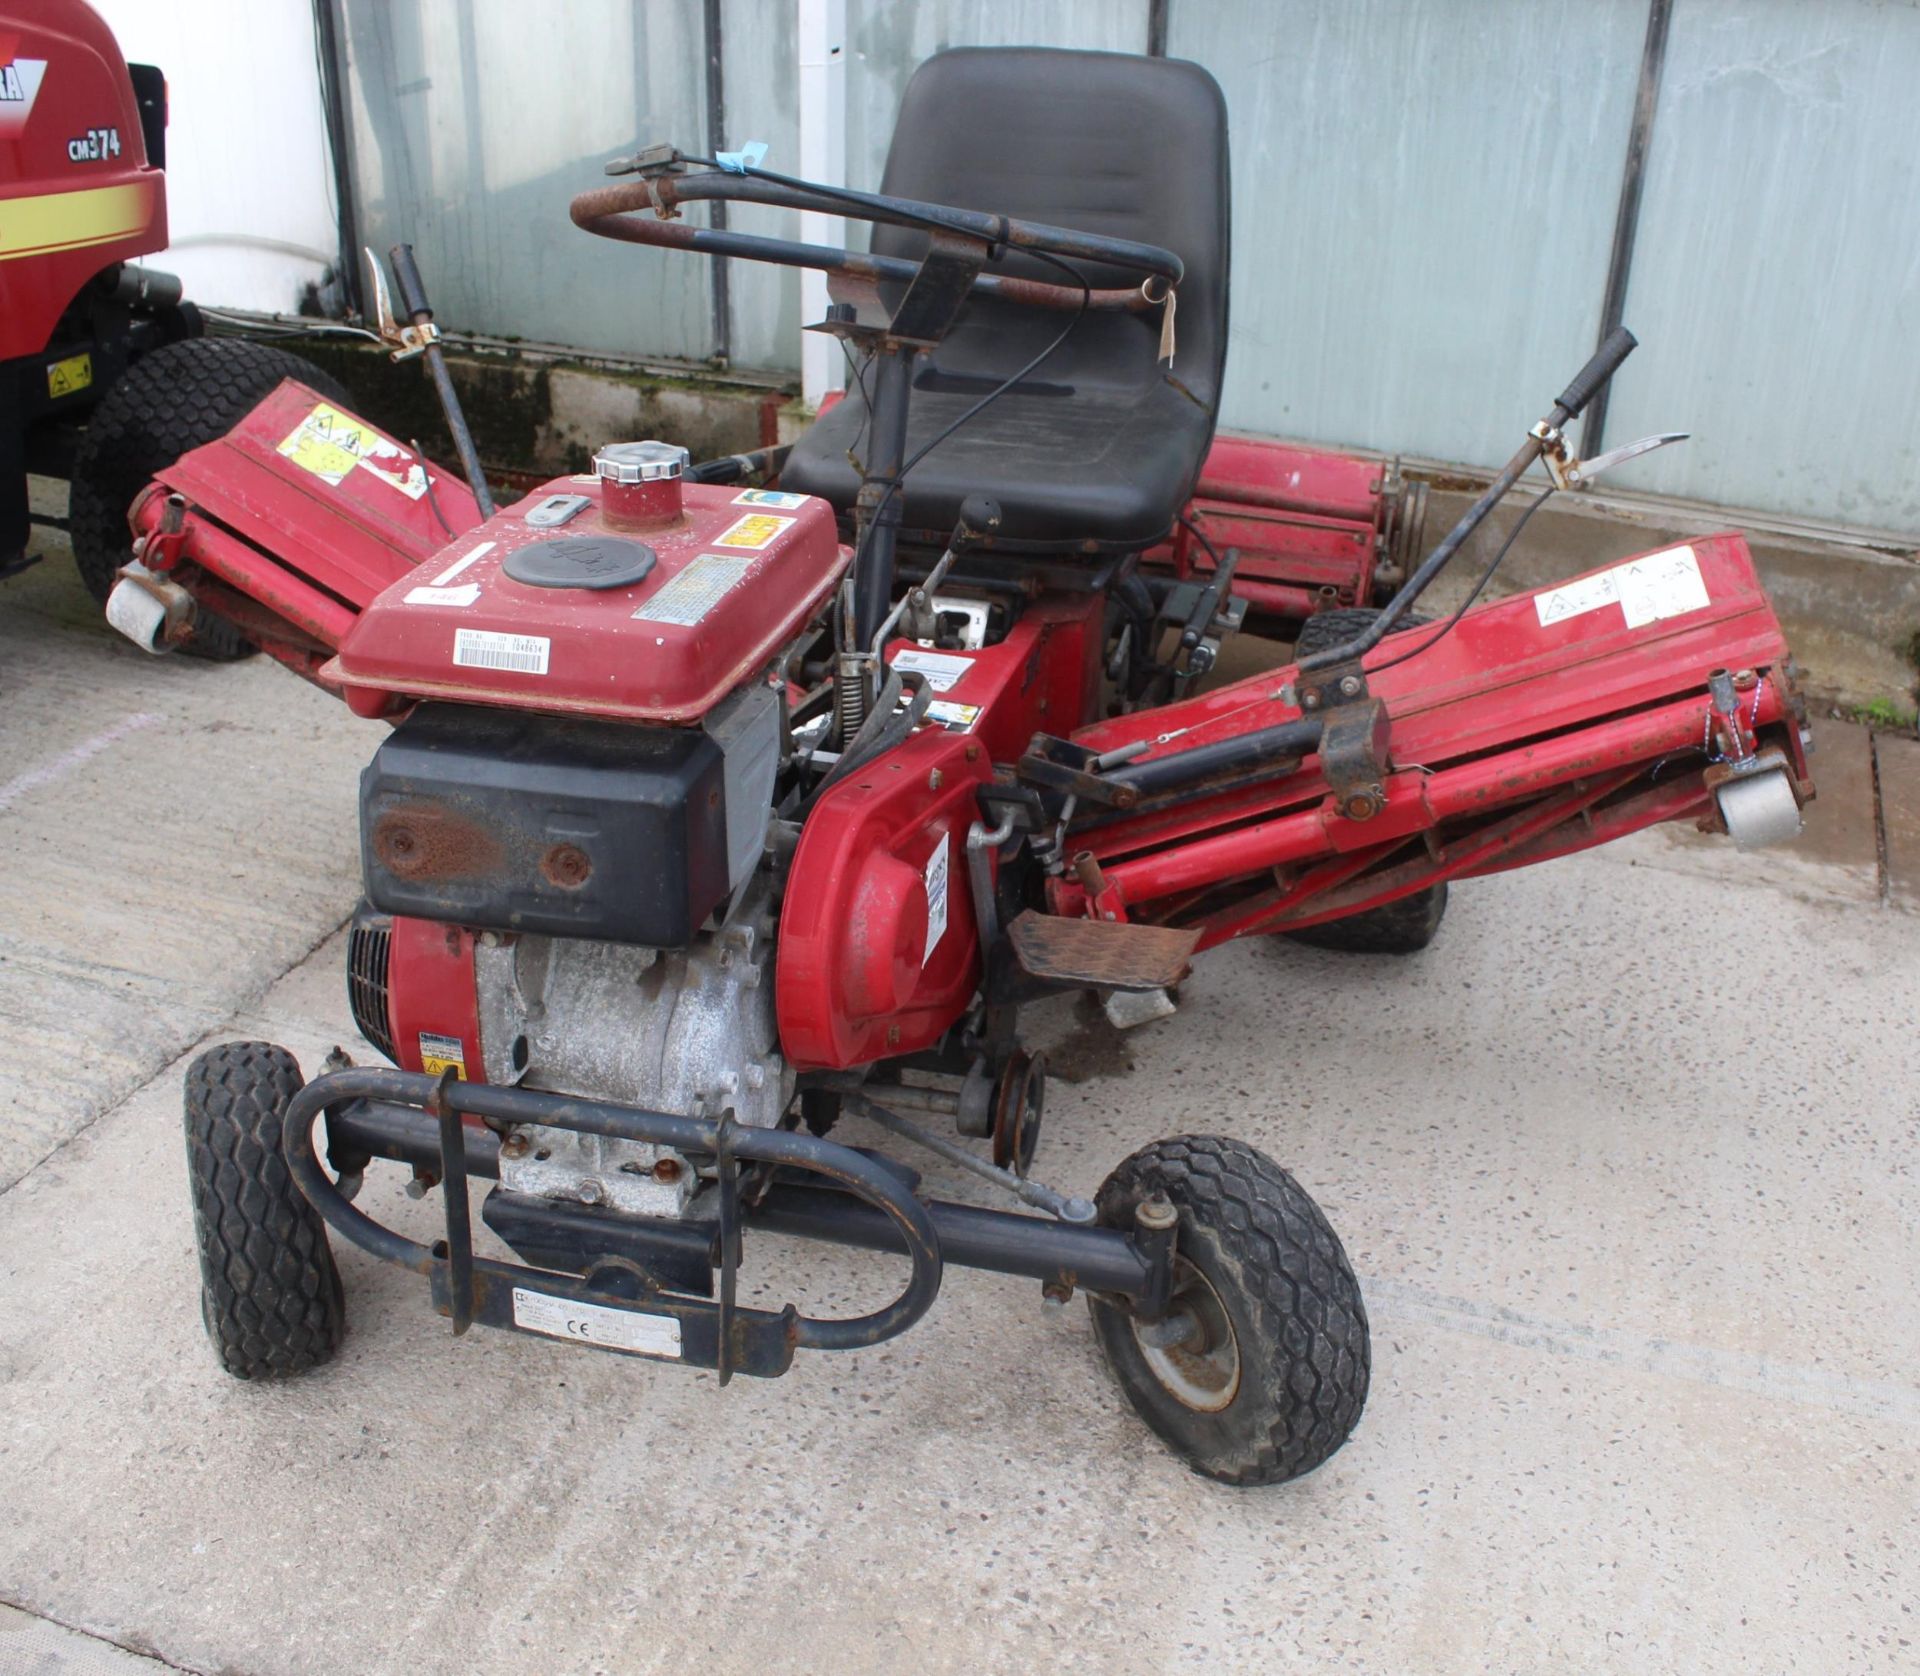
(1353, 757)
(1318, 690)
(1061, 766)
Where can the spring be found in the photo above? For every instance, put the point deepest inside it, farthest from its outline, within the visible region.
(849, 697)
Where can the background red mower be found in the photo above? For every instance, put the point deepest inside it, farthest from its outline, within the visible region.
(711, 814)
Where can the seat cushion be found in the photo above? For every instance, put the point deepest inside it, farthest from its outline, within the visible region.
(1100, 448)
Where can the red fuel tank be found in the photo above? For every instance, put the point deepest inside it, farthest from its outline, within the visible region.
(651, 610)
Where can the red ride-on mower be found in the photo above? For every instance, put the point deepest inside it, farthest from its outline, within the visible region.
(707, 816)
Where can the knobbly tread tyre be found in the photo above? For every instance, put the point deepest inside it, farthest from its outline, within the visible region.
(1404, 926)
(167, 403)
(1330, 628)
(270, 1294)
(1408, 925)
(1283, 1276)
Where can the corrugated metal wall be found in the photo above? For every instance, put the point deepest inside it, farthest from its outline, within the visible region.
(1425, 195)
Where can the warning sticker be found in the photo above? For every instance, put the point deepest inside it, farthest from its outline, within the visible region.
(330, 444)
(1663, 584)
(1666, 584)
(65, 377)
(483, 649)
(941, 669)
(936, 882)
(754, 531)
(440, 1054)
(955, 718)
(768, 497)
(695, 591)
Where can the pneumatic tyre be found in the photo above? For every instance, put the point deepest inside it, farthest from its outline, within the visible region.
(270, 1295)
(1408, 925)
(1259, 1371)
(166, 404)
(1405, 926)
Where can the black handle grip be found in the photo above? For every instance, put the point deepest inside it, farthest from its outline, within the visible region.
(406, 275)
(1619, 344)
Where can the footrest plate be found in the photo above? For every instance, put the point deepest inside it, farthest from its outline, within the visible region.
(1100, 954)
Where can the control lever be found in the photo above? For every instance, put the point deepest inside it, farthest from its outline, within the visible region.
(419, 336)
(1544, 438)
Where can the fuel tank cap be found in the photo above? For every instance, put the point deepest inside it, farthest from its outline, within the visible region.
(640, 462)
(581, 561)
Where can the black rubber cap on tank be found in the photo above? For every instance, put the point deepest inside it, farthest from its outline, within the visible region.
(581, 561)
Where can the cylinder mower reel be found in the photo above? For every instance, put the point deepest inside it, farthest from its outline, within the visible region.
(719, 834)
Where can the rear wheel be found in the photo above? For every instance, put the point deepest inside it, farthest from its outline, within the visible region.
(1258, 1371)
(270, 1295)
(1408, 925)
(167, 404)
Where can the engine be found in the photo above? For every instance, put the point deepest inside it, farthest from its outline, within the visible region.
(565, 830)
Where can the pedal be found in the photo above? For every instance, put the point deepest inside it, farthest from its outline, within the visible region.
(1099, 954)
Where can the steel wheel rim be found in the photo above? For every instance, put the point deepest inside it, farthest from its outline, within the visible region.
(1204, 1376)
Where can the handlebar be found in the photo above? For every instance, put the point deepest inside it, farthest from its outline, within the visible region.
(1617, 346)
(614, 212)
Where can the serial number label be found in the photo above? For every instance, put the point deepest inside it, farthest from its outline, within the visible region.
(610, 1329)
(482, 649)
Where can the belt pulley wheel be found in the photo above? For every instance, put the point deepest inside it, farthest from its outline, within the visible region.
(1018, 1101)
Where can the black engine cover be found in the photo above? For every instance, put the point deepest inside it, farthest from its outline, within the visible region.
(510, 821)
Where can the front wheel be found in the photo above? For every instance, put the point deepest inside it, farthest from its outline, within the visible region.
(270, 1295)
(1258, 1371)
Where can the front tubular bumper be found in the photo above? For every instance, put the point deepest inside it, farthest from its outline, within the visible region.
(857, 1201)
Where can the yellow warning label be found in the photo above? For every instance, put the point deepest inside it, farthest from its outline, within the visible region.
(753, 531)
(74, 373)
(330, 444)
(440, 1054)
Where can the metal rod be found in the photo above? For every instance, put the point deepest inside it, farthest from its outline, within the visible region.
(711, 28)
(1265, 747)
(1068, 1207)
(453, 1189)
(457, 426)
(1626, 225)
(1157, 28)
(327, 40)
(971, 1236)
(879, 494)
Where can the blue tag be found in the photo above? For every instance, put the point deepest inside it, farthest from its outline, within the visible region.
(747, 157)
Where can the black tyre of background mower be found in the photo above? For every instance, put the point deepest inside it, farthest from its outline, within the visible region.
(269, 1292)
(1279, 1276)
(1403, 927)
(166, 404)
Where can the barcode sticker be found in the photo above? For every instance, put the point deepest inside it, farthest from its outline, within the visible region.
(481, 649)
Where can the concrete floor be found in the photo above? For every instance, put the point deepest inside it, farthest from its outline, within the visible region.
(1625, 1163)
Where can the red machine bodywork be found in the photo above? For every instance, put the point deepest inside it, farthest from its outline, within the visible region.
(733, 581)
(1506, 712)
(1309, 525)
(859, 977)
(65, 213)
(1530, 730)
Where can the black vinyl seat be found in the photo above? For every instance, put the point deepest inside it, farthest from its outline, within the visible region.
(1100, 448)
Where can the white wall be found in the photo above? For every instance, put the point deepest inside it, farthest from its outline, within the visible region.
(249, 187)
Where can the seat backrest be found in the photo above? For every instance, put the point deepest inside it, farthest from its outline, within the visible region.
(1101, 142)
